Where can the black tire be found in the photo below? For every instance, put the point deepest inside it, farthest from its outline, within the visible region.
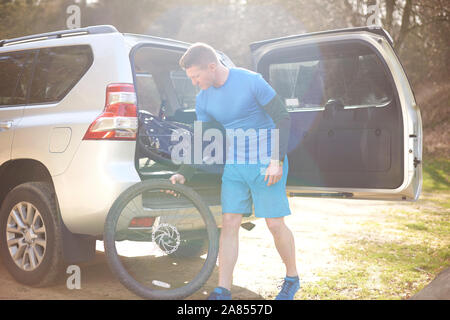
(49, 270)
(116, 265)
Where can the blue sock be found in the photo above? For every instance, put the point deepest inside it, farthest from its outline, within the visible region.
(296, 278)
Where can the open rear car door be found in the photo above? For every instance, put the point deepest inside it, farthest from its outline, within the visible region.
(356, 131)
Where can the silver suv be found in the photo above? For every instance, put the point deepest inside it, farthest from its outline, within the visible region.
(70, 108)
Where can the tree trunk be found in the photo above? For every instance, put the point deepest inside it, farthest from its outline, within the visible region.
(405, 24)
(390, 4)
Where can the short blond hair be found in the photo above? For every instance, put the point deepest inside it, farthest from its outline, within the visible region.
(198, 54)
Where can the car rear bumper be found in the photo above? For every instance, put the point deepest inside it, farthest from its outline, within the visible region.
(99, 172)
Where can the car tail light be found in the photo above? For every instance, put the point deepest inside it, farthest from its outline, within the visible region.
(119, 118)
(142, 222)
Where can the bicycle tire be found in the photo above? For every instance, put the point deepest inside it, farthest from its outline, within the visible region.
(116, 265)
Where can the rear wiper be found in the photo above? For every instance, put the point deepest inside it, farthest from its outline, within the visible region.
(368, 105)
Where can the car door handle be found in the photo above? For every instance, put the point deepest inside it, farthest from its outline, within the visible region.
(6, 124)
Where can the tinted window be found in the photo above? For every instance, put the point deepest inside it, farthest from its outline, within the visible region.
(148, 95)
(357, 80)
(57, 71)
(186, 92)
(15, 72)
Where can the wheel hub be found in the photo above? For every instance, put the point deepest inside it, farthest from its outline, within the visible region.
(167, 237)
(29, 236)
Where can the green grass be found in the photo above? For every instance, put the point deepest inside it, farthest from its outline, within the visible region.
(398, 255)
(377, 268)
(417, 226)
(435, 175)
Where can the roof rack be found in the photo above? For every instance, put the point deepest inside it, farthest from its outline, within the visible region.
(60, 34)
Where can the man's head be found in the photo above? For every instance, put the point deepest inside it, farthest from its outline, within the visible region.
(201, 63)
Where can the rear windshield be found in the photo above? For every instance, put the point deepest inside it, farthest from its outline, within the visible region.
(355, 79)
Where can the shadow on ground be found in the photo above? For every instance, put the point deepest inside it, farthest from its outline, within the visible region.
(99, 283)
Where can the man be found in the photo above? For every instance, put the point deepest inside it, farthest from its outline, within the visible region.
(241, 99)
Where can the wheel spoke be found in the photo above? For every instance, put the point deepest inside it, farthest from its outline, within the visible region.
(32, 258)
(23, 212)
(20, 253)
(39, 230)
(13, 230)
(31, 214)
(25, 256)
(13, 242)
(40, 242)
(16, 217)
(38, 255)
(37, 220)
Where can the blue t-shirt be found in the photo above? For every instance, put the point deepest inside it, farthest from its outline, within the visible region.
(237, 105)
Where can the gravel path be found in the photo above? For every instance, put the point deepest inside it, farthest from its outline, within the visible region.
(318, 226)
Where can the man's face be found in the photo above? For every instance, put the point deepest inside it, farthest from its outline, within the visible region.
(202, 76)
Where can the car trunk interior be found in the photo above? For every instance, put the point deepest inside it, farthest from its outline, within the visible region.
(164, 91)
(346, 119)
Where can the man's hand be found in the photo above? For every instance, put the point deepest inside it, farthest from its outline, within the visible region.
(177, 178)
(274, 172)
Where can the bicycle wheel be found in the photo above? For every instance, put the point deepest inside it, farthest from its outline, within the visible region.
(143, 229)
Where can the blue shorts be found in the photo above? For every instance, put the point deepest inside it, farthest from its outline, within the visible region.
(244, 185)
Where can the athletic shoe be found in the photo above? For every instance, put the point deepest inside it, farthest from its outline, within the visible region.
(220, 293)
(289, 288)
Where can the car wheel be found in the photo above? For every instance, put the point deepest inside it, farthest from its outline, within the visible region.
(31, 234)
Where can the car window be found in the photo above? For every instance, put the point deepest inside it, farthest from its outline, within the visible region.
(149, 98)
(186, 92)
(57, 71)
(15, 72)
(357, 80)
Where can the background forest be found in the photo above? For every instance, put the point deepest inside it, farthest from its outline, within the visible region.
(420, 29)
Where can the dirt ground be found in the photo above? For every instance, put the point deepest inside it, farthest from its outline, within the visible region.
(318, 227)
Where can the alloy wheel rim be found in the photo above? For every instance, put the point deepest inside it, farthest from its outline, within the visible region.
(26, 236)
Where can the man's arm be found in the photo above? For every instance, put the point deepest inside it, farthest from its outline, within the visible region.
(276, 109)
(187, 171)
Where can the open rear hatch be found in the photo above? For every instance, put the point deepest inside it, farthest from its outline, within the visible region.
(356, 130)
